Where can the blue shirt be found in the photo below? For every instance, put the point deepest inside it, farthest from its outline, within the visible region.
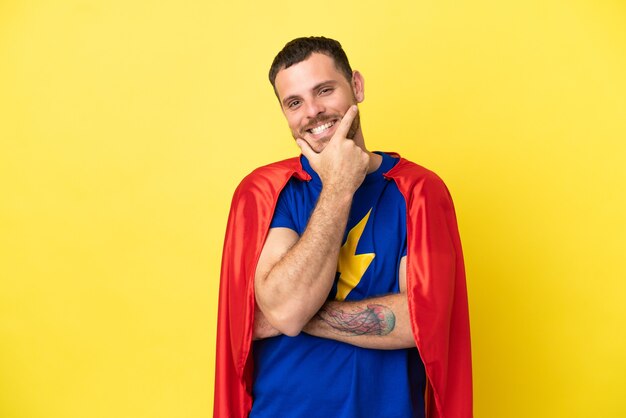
(306, 376)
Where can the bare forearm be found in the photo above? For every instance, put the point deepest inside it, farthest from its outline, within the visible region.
(379, 323)
(297, 285)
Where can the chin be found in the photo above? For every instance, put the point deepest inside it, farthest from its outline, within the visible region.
(319, 145)
(318, 148)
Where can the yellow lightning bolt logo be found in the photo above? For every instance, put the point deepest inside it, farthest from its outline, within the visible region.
(350, 265)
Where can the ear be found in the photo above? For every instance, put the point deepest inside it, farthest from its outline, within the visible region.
(358, 86)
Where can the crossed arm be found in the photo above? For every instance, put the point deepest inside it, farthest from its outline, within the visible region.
(378, 323)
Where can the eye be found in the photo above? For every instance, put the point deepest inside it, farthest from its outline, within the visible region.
(293, 104)
(325, 90)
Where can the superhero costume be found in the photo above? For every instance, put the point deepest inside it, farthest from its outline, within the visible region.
(436, 289)
(294, 376)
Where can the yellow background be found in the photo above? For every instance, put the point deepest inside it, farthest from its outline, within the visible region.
(125, 127)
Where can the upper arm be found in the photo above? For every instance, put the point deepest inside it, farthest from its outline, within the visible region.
(402, 275)
(277, 243)
(280, 238)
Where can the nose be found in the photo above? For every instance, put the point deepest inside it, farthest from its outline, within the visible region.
(313, 108)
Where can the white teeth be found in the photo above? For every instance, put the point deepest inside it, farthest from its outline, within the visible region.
(322, 128)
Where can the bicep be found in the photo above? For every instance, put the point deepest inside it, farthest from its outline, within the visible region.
(277, 243)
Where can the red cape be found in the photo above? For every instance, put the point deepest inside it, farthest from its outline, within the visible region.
(437, 294)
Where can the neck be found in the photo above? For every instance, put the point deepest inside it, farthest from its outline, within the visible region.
(374, 159)
(374, 163)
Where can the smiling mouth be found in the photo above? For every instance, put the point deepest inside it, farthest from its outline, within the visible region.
(322, 128)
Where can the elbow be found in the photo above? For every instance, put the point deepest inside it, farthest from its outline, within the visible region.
(292, 331)
(289, 317)
(286, 321)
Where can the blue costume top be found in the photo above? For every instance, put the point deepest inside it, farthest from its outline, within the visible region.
(307, 376)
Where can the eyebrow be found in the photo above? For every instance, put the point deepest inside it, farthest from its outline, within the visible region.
(316, 87)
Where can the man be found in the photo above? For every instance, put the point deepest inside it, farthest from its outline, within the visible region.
(344, 266)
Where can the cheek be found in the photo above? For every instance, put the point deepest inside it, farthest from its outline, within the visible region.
(293, 125)
(294, 122)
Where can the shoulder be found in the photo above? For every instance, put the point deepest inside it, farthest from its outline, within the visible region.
(269, 177)
(272, 172)
(412, 177)
(422, 188)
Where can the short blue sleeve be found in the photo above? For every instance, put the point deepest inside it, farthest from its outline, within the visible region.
(283, 216)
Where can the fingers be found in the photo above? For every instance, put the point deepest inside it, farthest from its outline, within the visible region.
(306, 149)
(346, 122)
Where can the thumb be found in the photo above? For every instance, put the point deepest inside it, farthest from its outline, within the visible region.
(306, 149)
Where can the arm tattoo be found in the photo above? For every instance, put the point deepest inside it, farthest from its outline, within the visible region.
(373, 320)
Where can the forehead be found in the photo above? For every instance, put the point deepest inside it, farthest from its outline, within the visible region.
(305, 75)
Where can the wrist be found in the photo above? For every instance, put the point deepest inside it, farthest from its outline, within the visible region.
(338, 193)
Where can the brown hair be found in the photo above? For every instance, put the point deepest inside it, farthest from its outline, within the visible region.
(300, 49)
